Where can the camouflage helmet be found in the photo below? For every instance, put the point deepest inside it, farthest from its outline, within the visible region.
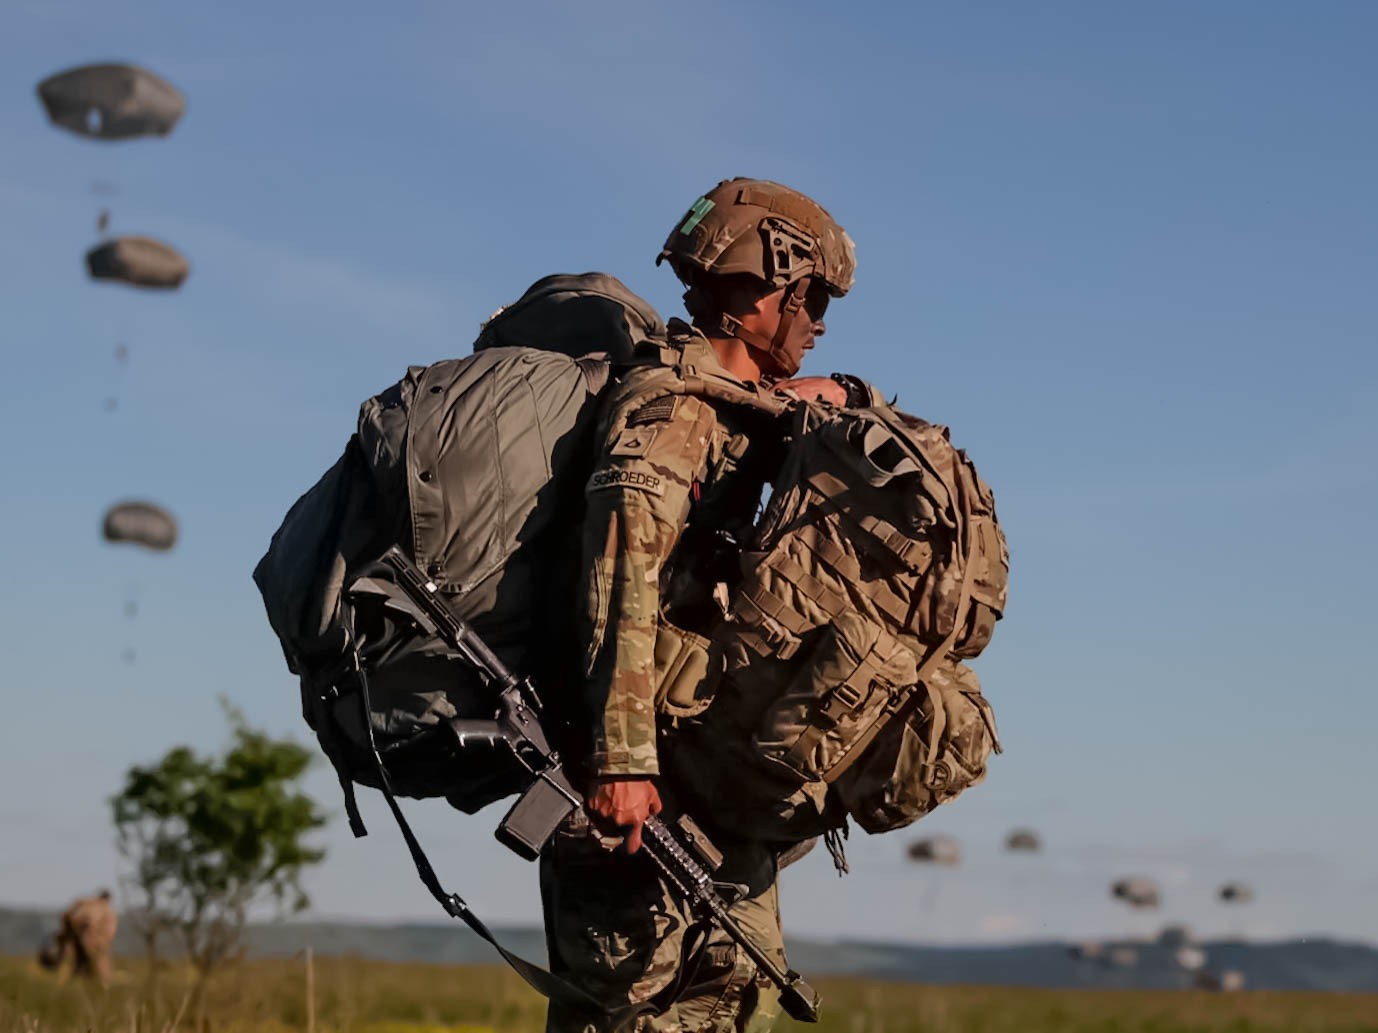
(765, 230)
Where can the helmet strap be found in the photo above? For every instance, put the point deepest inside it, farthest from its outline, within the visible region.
(774, 346)
(789, 312)
(732, 327)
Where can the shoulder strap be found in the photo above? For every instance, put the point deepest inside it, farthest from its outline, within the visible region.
(597, 370)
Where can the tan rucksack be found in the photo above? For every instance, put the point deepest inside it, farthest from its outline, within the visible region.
(877, 568)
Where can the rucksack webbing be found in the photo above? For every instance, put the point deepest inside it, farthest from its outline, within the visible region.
(815, 732)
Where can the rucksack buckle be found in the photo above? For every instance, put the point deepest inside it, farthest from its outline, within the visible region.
(783, 644)
(844, 700)
(849, 695)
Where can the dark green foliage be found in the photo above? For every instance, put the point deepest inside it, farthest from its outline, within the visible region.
(208, 838)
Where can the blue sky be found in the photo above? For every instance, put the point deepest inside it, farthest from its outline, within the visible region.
(1126, 251)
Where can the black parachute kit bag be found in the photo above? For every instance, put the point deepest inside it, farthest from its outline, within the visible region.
(473, 469)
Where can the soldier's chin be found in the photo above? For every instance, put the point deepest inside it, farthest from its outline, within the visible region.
(782, 367)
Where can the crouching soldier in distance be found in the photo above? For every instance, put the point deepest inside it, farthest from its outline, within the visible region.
(85, 934)
(678, 480)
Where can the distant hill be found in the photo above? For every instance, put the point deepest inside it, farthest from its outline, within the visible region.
(1289, 965)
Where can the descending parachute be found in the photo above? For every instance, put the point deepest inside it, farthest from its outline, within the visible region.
(141, 261)
(140, 523)
(1088, 950)
(112, 102)
(1190, 959)
(1122, 957)
(936, 850)
(1236, 893)
(1136, 892)
(1175, 936)
(1230, 980)
(1023, 840)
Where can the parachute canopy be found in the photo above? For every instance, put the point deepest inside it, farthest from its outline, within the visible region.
(1231, 980)
(111, 102)
(1088, 950)
(1190, 959)
(1236, 893)
(141, 261)
(1122, 957)
(140, 523)
(1175, 936)
(1136, 892)
(1025, 840)
(936, 850)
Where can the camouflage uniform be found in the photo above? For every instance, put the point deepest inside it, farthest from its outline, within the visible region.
(85, 935)
(672, 470)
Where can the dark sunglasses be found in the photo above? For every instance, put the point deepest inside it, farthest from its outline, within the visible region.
(816, 300)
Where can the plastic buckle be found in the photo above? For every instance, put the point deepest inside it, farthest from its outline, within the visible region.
(848, 695)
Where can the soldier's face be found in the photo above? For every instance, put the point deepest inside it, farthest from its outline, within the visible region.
(804, 330)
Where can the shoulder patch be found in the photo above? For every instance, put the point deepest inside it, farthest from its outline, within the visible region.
(633, 441)
(657, 410)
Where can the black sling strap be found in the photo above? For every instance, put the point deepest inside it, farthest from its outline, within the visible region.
(541, 980)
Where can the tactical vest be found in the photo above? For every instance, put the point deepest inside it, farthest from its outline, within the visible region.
(876, 569)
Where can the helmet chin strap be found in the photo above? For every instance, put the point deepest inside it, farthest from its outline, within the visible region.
(774, 346)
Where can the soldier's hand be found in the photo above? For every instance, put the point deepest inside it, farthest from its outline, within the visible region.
(621, 805)
(811, 389)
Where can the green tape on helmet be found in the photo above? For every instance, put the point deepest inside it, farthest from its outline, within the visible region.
(700, 208)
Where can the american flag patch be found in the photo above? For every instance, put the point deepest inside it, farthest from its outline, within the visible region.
(657, 410)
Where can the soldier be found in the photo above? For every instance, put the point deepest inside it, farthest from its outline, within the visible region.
(678, 480)
(85, 934)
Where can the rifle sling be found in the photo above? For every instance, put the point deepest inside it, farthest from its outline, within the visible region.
(543, 981)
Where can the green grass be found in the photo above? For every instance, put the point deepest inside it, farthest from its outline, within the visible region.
(356, 996)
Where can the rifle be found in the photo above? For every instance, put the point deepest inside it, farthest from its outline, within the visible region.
(687, 860)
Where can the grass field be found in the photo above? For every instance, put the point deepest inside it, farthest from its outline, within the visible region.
(355, 996)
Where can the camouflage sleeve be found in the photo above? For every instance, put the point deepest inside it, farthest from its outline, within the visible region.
(638, 502)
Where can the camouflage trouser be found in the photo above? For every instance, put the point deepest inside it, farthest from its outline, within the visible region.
(616, 930)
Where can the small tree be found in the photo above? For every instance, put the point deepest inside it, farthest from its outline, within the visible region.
(210, 837)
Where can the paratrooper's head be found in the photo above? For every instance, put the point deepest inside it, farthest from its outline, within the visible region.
(761, 262)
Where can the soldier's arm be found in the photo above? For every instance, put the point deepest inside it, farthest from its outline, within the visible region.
(638, 502)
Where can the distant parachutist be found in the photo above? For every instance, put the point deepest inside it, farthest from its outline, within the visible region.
(1136, 892)
(1236, 893)
(936, 850)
